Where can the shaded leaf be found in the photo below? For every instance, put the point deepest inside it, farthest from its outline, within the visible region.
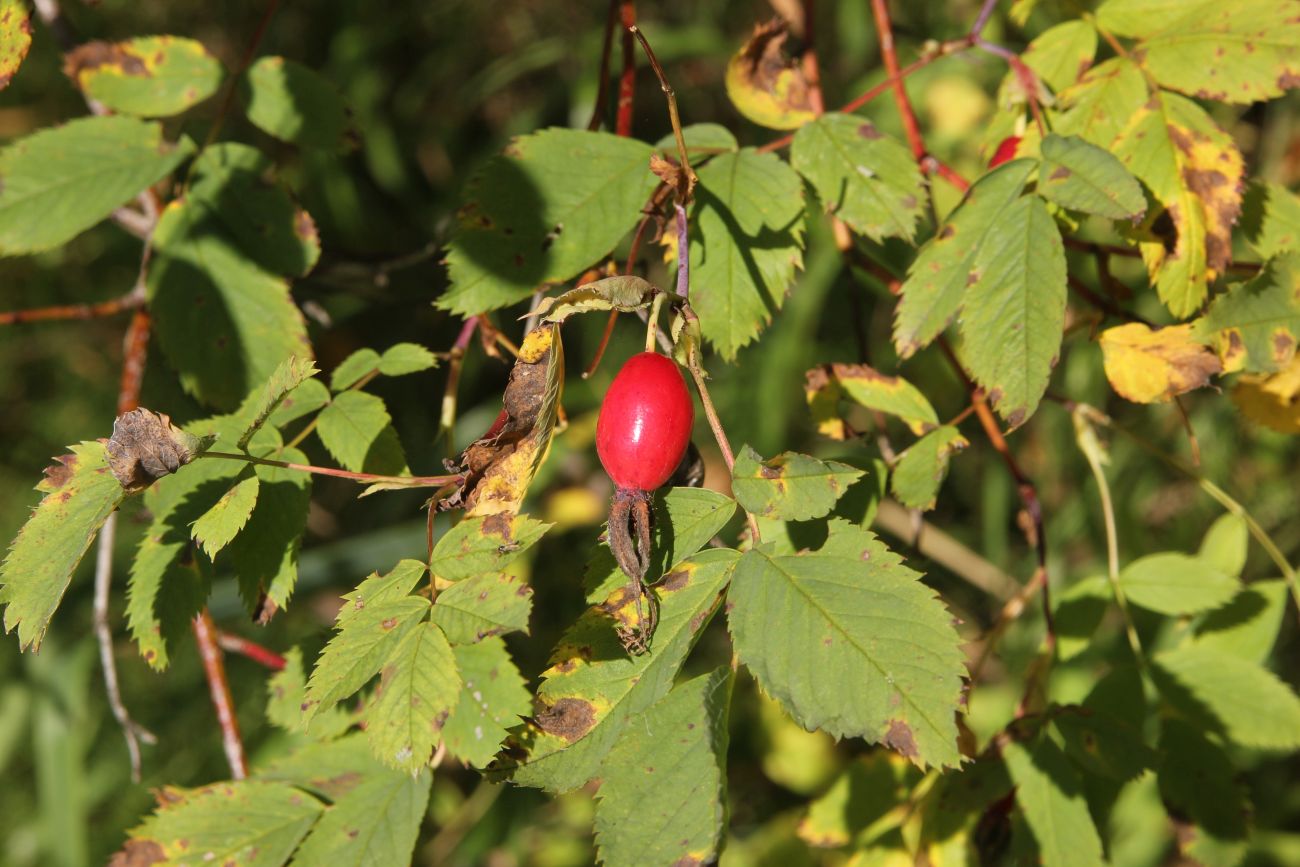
(864, 649)
(554, 203)
(687, 756)
(1248, 626)
(1254, 325)
(1154, 366)
(921, 469)
(826, 385)
(79, 495)
(862, 794)
(746, 245)
(265, 553)
(150, 76)
(60, 181)
(1199, 783)
(295, 104)
(938, 279)
(1173, 583)
(1049, 791)
(485, 544)
(790, 486)
(594, 689)
(866, 178)
(286, 691)
(1084, 177)
(420, 686)
(493, 698)
(356, 429)
(1014, 310)
(1101, 743)
(1270, 218)
(765, 84)
(1232, 696)
(1079, 611)
(1271, 399)
(248, 823)
(483, 606)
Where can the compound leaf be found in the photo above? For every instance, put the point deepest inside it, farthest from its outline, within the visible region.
(493, 698)
(419, 689)
(790, 486)
(483, 606)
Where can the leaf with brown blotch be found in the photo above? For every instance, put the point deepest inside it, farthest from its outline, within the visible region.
(765, 85)
(500, 465)
(146, 446)
(1147, 365)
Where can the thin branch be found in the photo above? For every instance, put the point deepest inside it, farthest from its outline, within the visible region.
(811, 68)
(602, 86)
(683, 252)
(450, 395)
(214, 667)
(936, 545)
(237, 74)
(627, 81)
(888, 53)
(130, 301)
(687, 179)
(363, 478)
(263, 656)
(983, 18)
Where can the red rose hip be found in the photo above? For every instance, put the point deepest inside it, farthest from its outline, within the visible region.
(1006, 151)
(645, 422)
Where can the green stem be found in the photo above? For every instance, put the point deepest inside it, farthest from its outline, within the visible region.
(652, 321)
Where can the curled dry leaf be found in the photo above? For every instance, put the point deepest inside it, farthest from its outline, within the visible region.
(1153, 366)
(146, 446)
(623, 293)
(766, 85)
(500, 465)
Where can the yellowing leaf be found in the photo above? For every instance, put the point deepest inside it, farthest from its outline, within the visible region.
(827, 385)
(15, 38)
(1152, 366)
(766, 86)
(1254, 325)
(1272, 400)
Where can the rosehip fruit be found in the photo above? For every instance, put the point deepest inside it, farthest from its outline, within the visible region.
(641, 436)
(1006, 151)
(645, 422)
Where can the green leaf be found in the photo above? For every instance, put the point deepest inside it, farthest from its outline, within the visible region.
(288, 376)
(687, 756)
(1254, 325)
(556, 202)
(483, 606)
(866, 178)
(265, 553)
(921, 469)
(366, 640)
(295, 104)
(705, 137)
(1173, 583)
(938, 279)
(1247, 51)
(60, 181)
(477, 546)
(15, 38)
(1103, 744)
(790, 486)
(1015, 309)
(403, 358)
(391, 587)
(594, 690)
(225, 323)
(286, 692)
(1245, 703)
(824, 387)
(1226, 544)
(1101, 103)
(1083, 177)
(353, 369)
(492, 699)
(1199, 782)
(150, 76)
(1195, 171)
(1270, 219)
(259, 214)
(79, 495)
(248, 823)
(358, 432)
(1061, 54)
(746, 243)
(864, 649)
(1079, 611)
(1049, 791)
(220, 524)
(867, 789)
(303, 400)
(1247, 627)
(419, 689)
(683, 520)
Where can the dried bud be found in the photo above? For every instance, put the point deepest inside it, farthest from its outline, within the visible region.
(146, 446)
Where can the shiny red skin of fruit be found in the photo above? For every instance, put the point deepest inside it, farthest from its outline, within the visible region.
(645, 422)
(1006, 151)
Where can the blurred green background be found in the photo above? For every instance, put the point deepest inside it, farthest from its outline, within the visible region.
(436, 88)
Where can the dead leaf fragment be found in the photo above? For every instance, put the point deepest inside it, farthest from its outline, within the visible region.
(766, 85)
(146, 446)
(1153, 366)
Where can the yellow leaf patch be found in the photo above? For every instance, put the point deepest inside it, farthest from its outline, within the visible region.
(765, 85)
(1272, 400)
(1152, 366)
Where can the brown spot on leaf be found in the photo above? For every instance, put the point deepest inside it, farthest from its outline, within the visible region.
(900, 739)
(674, 581)
(687, 861)
(1060, 174)
(869, 132)
(138, 853)
(568, 718)
(770, 472)
(90, 57)
(1283, 346)
(947, 232)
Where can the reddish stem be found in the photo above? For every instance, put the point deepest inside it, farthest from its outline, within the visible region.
(228, 98)
(627, 81)
(885, 32)
(261, 655)
(602, 86)
(811, 69)
(130, 301)
(214, 666)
